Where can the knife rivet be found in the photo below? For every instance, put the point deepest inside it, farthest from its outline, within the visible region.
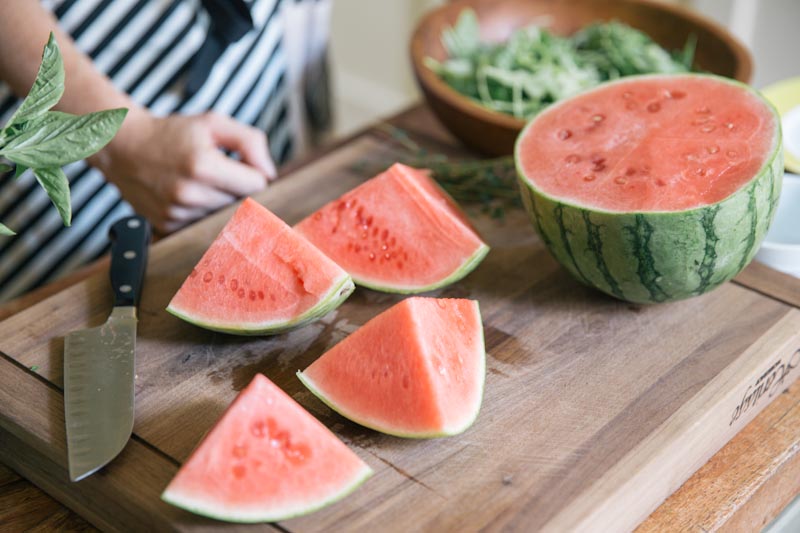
(134, 223)
(125, 288)
(129, 254)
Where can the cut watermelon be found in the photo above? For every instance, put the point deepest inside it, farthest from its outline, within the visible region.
(653, 188)
(266, 459)
(260, 277)
(415, 370)
(398, 232)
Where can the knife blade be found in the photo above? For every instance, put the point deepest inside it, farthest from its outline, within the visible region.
(99, 362)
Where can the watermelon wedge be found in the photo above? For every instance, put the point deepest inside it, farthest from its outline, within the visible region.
(266, 459)
(416, 370)
(260, 277)
(398, 232)
(653, 188)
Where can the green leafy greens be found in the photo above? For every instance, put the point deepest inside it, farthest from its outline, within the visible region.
(42, 140)
(535, 68)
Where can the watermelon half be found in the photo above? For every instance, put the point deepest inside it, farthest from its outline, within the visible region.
(416, 370)
(266, 459)
(653, 188)
(260, 277)
(398, 232)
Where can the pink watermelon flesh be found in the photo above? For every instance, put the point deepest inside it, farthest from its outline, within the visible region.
(266, 459)
(649, 144)
(415, 370)
(259, 276)
(397, 232)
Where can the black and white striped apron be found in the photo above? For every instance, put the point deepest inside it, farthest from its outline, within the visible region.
(146, 48)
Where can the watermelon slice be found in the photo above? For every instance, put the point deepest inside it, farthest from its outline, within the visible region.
(260, 277)
(653, 188)
(415, 370)
(266, 459)
(398, 232)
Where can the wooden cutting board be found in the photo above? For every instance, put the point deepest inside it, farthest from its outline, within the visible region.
(594, 412)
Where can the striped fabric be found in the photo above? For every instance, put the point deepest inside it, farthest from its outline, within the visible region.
(145, 47)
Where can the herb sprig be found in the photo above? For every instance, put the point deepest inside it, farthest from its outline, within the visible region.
(42, 140)
(535, 68)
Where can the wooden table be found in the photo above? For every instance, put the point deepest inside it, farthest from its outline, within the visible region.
(740, 489)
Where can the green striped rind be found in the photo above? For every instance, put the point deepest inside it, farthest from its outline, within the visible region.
(649, 257)
(335, 297)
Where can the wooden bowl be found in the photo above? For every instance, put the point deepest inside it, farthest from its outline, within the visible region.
(493, 133)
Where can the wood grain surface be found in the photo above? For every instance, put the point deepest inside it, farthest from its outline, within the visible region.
(580, 390)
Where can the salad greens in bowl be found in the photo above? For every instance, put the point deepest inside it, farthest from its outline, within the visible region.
(486, 67)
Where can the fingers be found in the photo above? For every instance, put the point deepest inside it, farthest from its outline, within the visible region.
(250, 143)
(190, 193)
(228, 175)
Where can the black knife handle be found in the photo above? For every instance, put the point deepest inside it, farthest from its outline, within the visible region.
(130, 238)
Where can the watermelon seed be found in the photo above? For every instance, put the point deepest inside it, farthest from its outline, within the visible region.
(239, 471)
(260, 295)
(619, 180)
(193, 274)
(731, 153)
(221, 279)
(240, 293)
(708, 129)
(353, 202)
(660, 182)
(712, 149)
(252, 296)
(729, 125)
(385, 234)
(573, 158)
(239, 451)
(384, 247)
(257, 429)
(364, 234)
(441, 304)
(589, 177)
(399, 265)
(406, 382)
(599, 167)
(677, 95)
(318, 215)
(369, 221)
(207, 277)
(234, 284)
(341, 206)
(597, 158)
(703, 110)
(442, 370)
(598, 118)
(392, 241)
(564, 135)
(405, 256)
(630, 171)
(374, 232)
(627, 95)
(654, 107)
(700, 172)
(371, 256)
(630, 106)
(386, 256)
(358, 248)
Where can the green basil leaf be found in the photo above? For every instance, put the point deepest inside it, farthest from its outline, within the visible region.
(48, 87)
(19, 170)
(5, 230)
(5, 168)
(56, 185)
(56, 139)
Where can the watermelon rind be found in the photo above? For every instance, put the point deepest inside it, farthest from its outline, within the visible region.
(658, 256)
(461, 272)
(335, 297)
(249, 516)
(446, 432)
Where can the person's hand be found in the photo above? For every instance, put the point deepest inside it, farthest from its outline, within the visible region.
(173, 171)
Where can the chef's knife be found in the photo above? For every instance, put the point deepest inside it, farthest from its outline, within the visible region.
(98, 362)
